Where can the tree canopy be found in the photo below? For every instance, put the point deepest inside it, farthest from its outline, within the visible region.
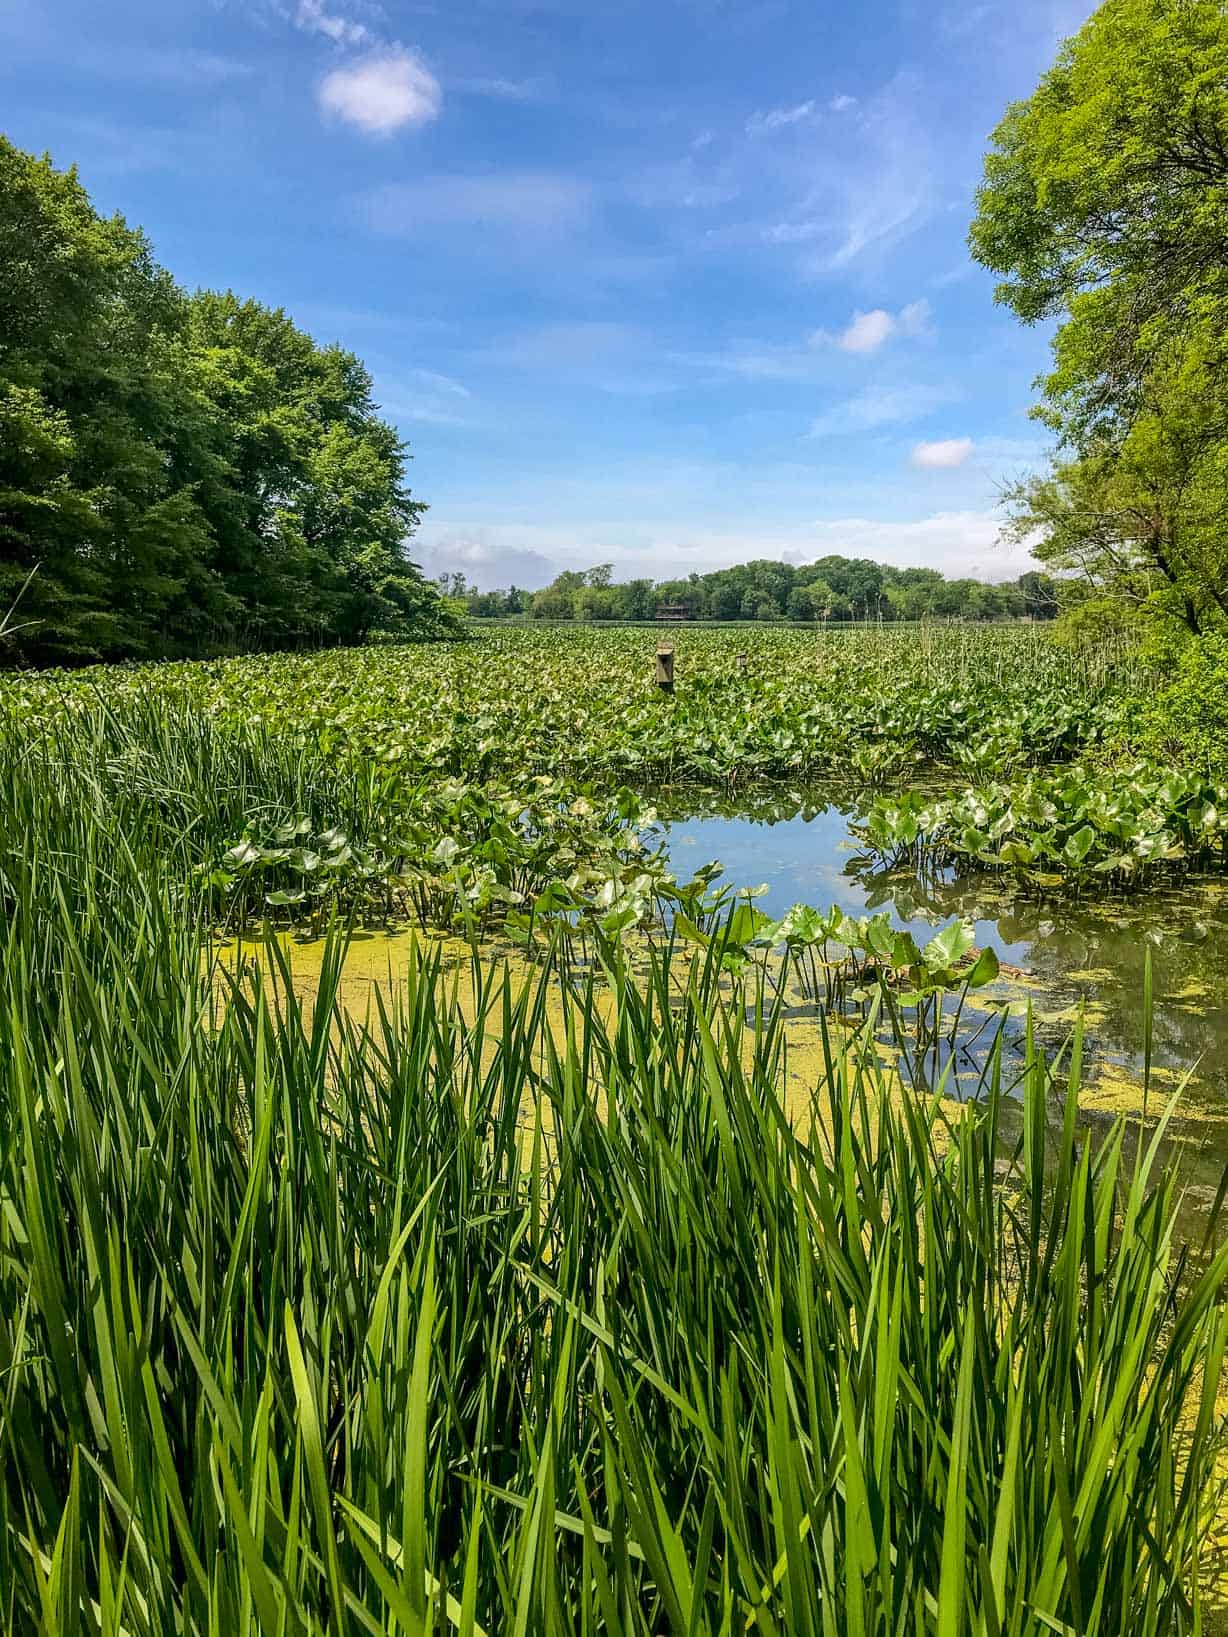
(1105, 206)
(830, 589)
(180, 474)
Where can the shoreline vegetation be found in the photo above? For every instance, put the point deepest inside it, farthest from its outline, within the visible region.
(831, 591)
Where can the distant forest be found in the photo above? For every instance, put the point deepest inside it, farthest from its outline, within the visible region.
(831, 589)
(180, 474)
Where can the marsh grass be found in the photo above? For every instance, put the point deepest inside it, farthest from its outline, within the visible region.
(301, 1332)
(542, 1313)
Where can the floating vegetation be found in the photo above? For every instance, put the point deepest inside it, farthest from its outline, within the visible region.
(864, 705)
(1082, 824)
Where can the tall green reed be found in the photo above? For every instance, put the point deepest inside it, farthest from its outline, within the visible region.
(526, 1305)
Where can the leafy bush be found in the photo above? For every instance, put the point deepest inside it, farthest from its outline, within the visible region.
(1185, 719)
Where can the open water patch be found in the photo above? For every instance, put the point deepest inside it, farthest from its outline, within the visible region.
(1064, 956)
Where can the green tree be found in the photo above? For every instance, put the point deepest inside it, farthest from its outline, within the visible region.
(93, 411)
(1105, 199)
(558, 600)
(1105, 205)
(855, 580)
(306, 496)
(188, 474)
(1138, 516)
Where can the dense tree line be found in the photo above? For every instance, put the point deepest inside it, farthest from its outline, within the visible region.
(180, 474)
(1105, 207)
(831, 589)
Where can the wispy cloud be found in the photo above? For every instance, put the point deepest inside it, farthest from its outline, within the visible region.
(503, 90)
(600, 355)
(871, 180)
(571, 345)
(878, 407)
(867, 331)
(161, 65)
(424, 395)
(682, 184)
(485, 563)
(958, 543)
(381, 86)
(756, 361)
(313, 17)
(810, 359)
(778, 119)
(941, 454)
(497, 554)
(530, 202)
(116, 148)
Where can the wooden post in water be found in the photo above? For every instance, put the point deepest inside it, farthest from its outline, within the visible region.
(665, 669)
(742, 662)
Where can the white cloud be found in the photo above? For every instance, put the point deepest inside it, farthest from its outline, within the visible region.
(866, 332)
(794, 232)
(777, 119)
(804, 360)
(842, 103)
(383, 92)
(487, 564)
(914, 319)
(956, 542)
(942, 453)
(312, 18)
(878, 407)
(524, 201)
(752, 361)
(681, 185)
(566, 344)
(503, 90)
(168, 65)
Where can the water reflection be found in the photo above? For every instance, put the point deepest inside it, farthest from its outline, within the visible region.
(1087, 949)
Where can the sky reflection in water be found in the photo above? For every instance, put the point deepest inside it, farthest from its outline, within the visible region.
(1086, 948)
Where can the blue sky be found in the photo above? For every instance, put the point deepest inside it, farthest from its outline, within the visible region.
(669, 284)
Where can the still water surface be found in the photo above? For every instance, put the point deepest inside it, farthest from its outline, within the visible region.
(1077, 950)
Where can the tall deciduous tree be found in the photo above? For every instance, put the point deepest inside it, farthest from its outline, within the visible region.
(1105, 205)
(1105, 198)
(187, 474)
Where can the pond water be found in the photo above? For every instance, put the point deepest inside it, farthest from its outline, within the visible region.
(1074, 952)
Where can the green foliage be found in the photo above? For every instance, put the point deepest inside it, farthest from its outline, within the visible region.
(1136, 518)
(1105, 199)
(189, 474)
(1185, 719)
(1066, 828)
(1105, 205)
(490, 789)
(831, 589)
(864, 705)
(602, 1296)
(536, 1313)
